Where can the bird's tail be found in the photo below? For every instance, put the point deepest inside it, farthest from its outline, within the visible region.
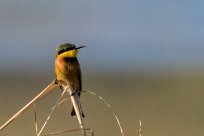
(73, 113)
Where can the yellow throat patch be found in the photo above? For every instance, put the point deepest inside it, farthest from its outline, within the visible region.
(71, 53)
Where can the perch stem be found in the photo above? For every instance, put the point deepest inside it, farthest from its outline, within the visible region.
(77, 106)
(51, 87)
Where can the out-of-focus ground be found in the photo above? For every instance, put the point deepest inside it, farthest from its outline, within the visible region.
(167, 102)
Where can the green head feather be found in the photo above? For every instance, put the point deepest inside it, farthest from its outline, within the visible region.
(65, 47)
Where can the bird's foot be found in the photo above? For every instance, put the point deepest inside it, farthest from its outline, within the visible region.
(56, 81)
(59, 82)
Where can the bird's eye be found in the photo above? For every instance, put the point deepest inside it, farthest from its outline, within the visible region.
(61, 51)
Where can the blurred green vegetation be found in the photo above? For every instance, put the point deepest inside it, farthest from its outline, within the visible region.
(168, 102)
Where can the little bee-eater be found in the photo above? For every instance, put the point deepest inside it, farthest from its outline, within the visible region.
(67, 68)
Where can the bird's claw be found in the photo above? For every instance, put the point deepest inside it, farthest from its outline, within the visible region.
(56, 81)
(59, 82)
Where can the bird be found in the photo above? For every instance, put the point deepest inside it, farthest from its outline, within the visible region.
(67, 68)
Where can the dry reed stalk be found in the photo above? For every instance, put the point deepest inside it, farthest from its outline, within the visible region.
(35, 120)
(53, 108)
(70, 130)
(110, 107)
(76, 103)
(140, 128)
(51, 87)
(77, 106)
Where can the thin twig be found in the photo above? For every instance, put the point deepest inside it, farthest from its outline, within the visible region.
(109, 106)
(92, 133)
(51, 87)
(140, 128)
(64, 131)
(53, 108)
(63, 101)
(35, 123)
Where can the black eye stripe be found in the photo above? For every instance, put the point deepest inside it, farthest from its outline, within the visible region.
(64, 50)
(61, 51)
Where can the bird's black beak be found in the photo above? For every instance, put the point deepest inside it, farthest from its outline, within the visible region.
(80, 47)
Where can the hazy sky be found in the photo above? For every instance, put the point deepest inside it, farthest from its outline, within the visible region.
(118, 32)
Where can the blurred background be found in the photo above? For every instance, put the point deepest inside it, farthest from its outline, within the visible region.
(146, 58)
